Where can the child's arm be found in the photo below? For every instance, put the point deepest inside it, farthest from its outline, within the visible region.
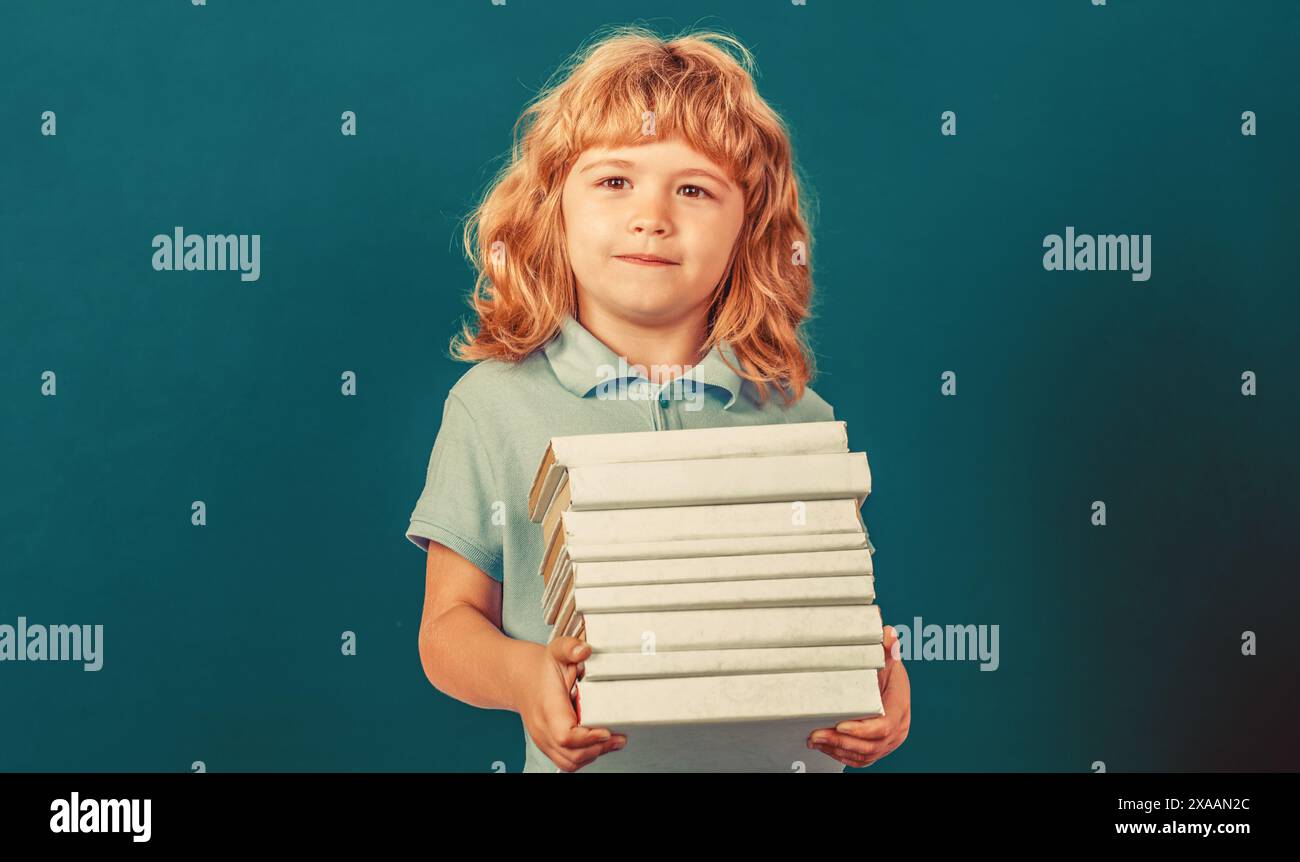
(462, 648)
(466, 655)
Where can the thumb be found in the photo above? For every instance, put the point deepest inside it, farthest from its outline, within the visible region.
(892, 655)
(890, 643)
(569, 650)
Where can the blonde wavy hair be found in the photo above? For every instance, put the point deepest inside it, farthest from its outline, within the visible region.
(698, 90)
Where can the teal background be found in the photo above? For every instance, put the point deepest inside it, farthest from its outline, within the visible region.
(1118, 644)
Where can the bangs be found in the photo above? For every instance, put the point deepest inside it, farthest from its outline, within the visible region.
(650, 91)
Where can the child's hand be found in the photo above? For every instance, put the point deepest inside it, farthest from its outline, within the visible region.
(548, 713)
(863, 742)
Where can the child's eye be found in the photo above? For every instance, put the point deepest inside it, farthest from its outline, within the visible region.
(700, 191)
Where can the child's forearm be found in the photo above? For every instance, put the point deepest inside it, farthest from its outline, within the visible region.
(466, 656)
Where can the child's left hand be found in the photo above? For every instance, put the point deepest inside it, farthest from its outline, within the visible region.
(864, 741)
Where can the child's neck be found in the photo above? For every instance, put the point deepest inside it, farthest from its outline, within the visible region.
(666, 351)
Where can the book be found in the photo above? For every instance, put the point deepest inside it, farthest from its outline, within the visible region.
(688, 570)
(702, 595)
(693, 589)
(699, 482)
(723, 579)
(748, 723)
(705, 530)
(679, 444)
(725, 521)
(726, 662)
(773, 745)
(733, 628)
(695, 482)
(725, 568)
(683, 548)
(628, 703)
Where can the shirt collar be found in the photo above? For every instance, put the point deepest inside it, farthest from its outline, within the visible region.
(576, 357)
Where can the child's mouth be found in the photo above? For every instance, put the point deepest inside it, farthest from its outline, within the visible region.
(646, 260)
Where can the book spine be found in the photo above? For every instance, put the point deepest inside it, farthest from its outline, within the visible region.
(729, 662)
(734, 628)
(777, 592)
(744, 567)
(720, 521)
(667, 550)
(649, 484)
(752, 697)
(702, 443)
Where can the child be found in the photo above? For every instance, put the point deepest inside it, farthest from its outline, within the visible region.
(642, 265)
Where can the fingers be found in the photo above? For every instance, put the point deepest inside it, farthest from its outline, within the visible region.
(843, 755)
(570, 745)
(865, 728)
(561, 761)
(860, 742)
(832, 739)
(584, 756)
(579, 736)
(571, 759)
(847, 749)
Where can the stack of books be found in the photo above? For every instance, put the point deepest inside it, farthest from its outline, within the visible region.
(723, 579)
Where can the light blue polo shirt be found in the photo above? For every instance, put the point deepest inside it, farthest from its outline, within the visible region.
(497, 422)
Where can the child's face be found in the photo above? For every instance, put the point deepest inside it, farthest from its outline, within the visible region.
(654, 199)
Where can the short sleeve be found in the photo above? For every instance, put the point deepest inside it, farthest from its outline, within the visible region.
(813, 408)
(460, 494)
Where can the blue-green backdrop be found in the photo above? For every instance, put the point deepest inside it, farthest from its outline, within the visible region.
(1119, 644)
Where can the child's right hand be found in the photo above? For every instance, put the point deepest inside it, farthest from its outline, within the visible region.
(548, 713)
